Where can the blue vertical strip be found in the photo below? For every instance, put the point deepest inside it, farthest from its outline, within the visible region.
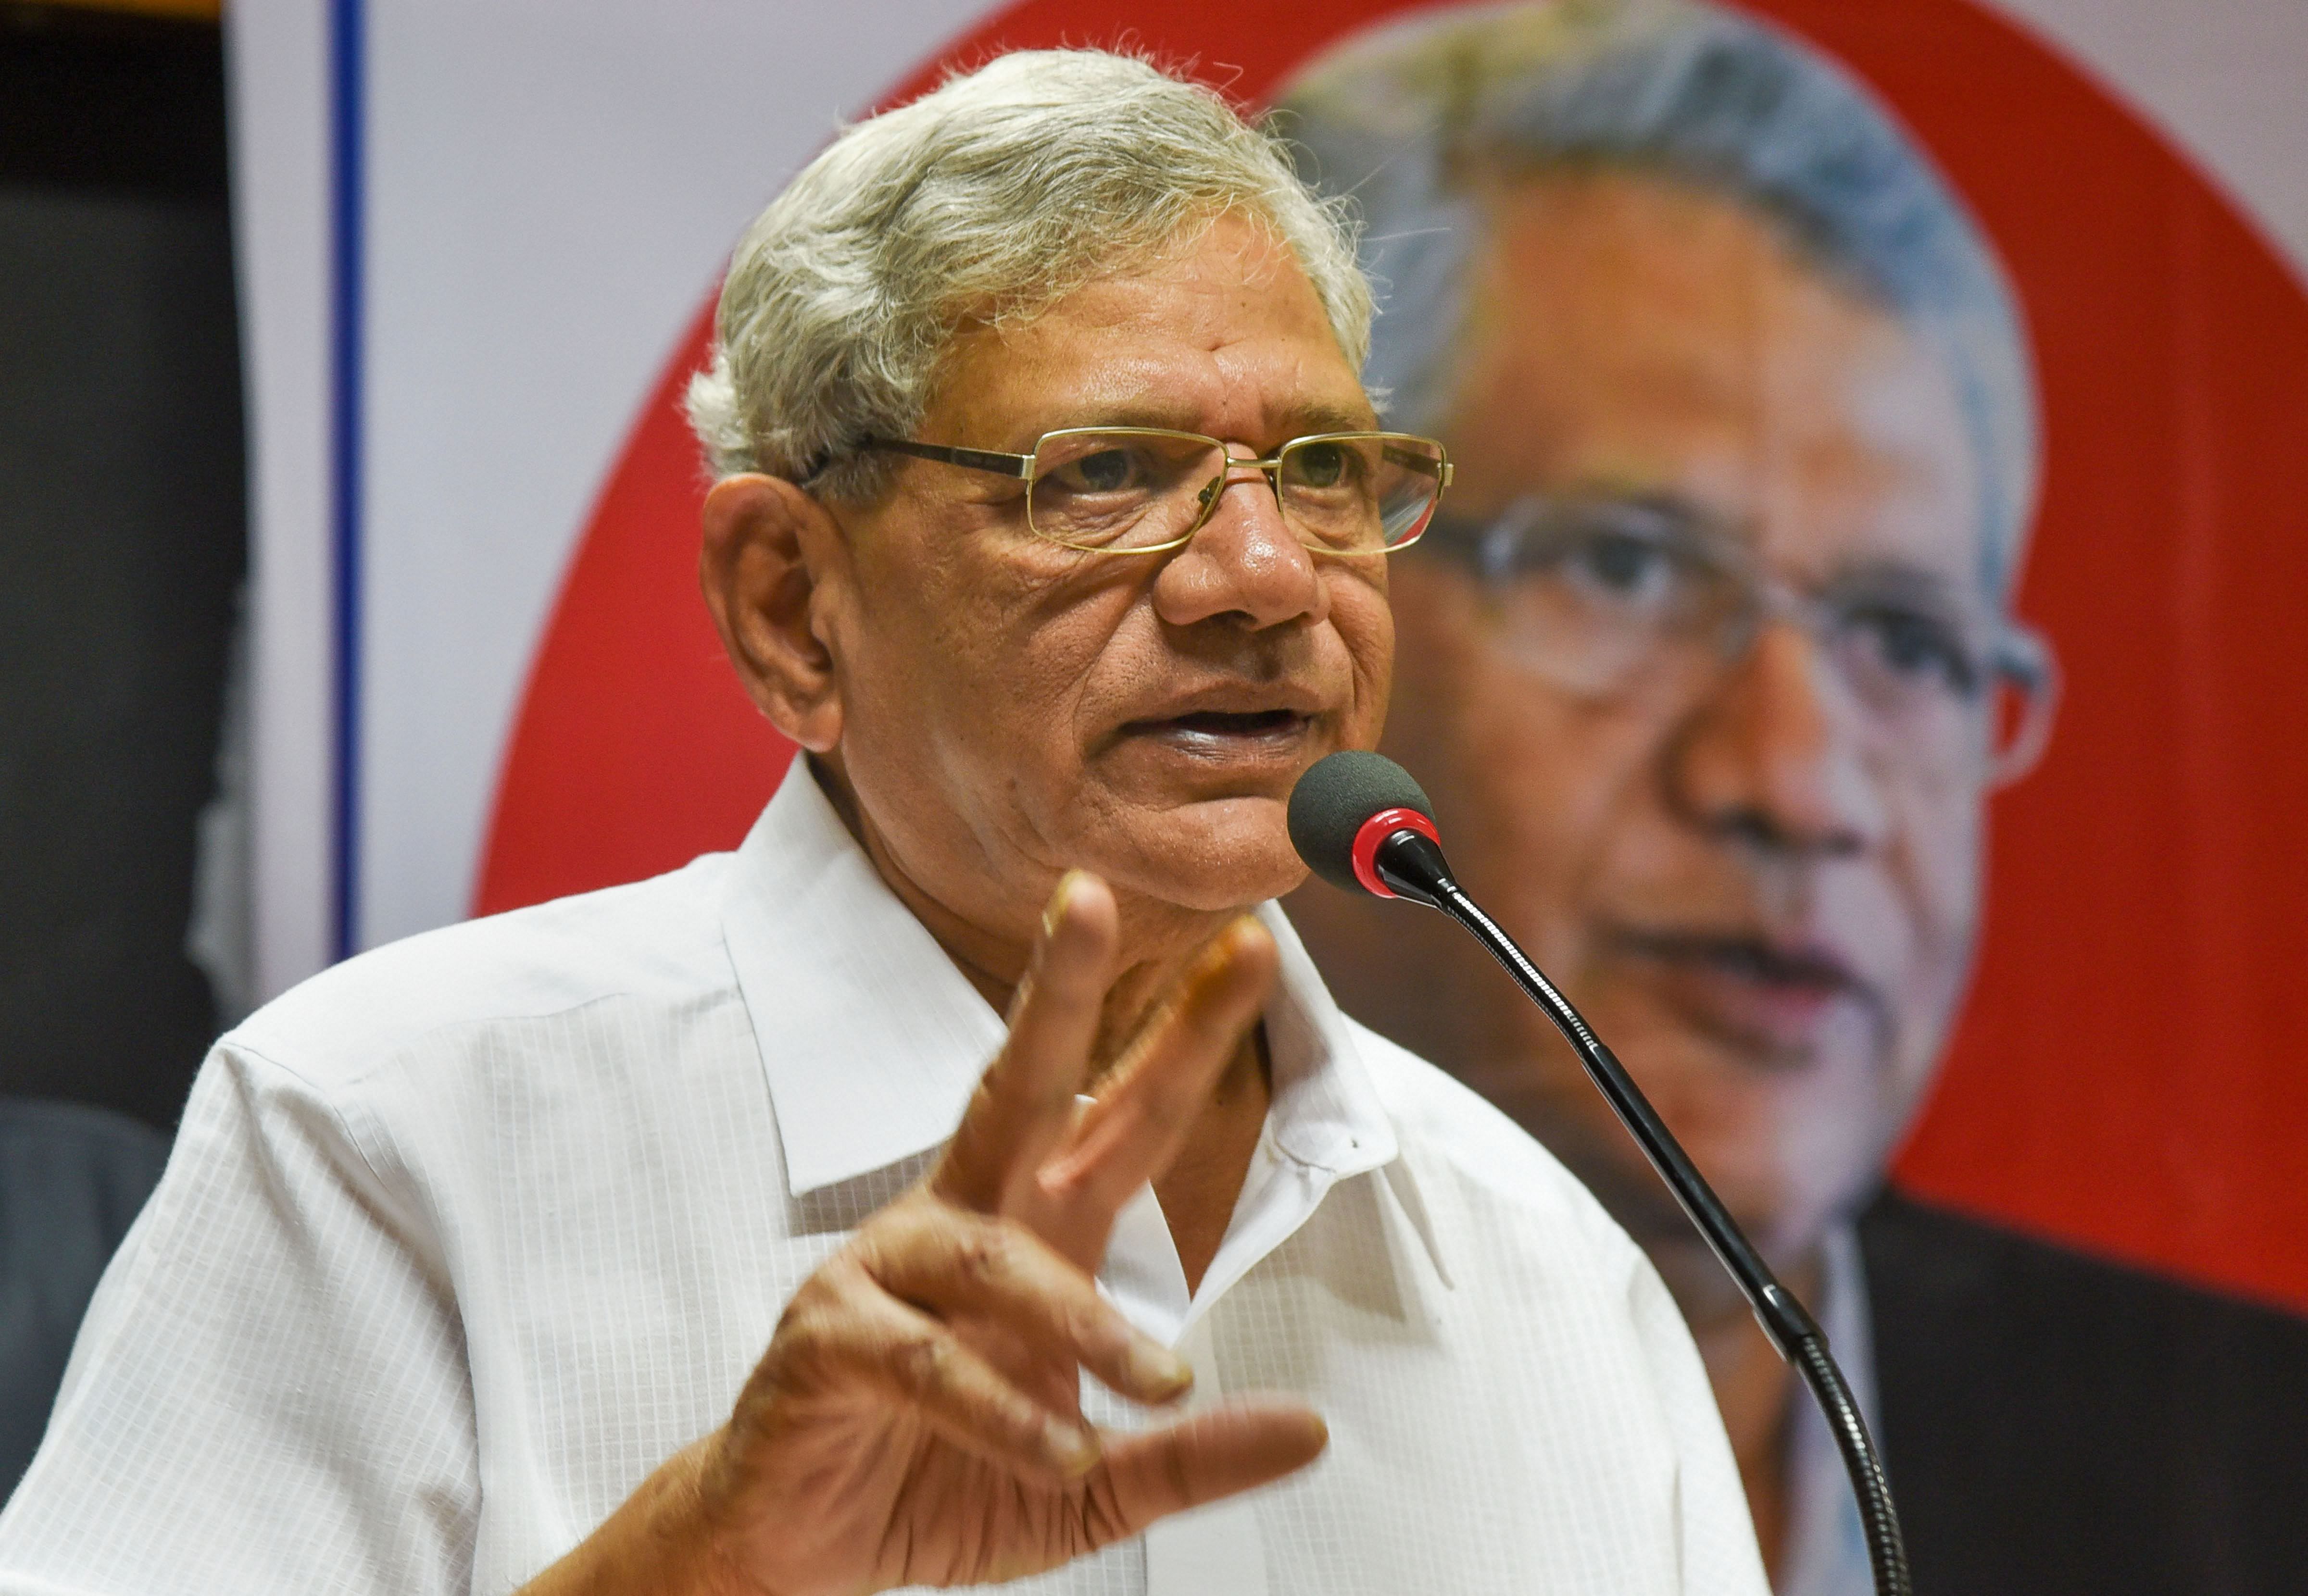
(348, 169)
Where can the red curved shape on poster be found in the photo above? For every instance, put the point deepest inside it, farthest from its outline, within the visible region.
(2127, 1076)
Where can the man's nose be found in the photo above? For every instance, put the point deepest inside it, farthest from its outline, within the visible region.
(1245, 561)
(1774, 758)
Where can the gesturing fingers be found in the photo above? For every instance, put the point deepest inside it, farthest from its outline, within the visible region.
(1143, 1112)
(873, 1341)
(1025, 1101)
(955, 1264)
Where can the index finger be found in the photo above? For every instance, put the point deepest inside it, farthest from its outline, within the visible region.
(1144, 1114)
(1024, 1102)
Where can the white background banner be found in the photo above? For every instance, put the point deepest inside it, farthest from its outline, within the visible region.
(477, 236)
(546, 192)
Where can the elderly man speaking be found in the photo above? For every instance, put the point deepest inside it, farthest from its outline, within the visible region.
(681, 1237)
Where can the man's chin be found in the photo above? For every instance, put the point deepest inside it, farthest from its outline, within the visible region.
(1211, 855)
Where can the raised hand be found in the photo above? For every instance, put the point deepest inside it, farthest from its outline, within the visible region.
(916, 1417)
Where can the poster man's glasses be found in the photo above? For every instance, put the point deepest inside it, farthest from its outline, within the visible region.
(1610, 597)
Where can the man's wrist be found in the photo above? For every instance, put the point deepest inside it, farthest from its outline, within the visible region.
(701, 1517)
(667, 1539)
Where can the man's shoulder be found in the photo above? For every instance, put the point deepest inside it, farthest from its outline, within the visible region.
(1448, 1126)
(2059, 1422)
(2015, 1292)
(656, 942)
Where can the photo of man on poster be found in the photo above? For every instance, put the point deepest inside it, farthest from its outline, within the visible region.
(1713, 664)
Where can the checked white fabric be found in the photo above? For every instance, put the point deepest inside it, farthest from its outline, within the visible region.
(464, 1238)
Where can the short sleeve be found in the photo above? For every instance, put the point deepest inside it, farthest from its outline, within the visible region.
(269, 1391)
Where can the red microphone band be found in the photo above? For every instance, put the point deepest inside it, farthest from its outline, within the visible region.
(1376, 830)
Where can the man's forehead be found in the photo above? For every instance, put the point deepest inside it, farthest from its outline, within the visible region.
(1127, 391)
(1122, 390)
(1635, 335)
(1228, 338)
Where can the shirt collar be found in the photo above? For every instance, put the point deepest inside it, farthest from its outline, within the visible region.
(1827, 1546)
(872, 1040)
(1326, 1113)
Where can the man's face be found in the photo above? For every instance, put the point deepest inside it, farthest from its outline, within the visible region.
(1763, 897)
(1013, 707)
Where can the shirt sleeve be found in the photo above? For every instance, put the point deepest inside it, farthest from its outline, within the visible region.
(1719, 1555)
(269, 1391)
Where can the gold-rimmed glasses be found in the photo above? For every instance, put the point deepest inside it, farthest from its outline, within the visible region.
(1134, 490)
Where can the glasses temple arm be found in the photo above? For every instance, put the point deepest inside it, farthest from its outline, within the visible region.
(2021, 655)
(1019, 466)
(1424, 465)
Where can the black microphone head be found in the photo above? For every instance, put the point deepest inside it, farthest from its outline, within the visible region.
(1334, 798)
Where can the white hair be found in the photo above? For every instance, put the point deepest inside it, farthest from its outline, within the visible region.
(991, 198)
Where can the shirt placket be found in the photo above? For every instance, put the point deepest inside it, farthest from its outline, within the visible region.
(1219, 1550)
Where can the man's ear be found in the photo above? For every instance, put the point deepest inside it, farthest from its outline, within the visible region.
(768, 547)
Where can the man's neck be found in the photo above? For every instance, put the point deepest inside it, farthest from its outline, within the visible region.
(1199, 1192)
(1159, 940)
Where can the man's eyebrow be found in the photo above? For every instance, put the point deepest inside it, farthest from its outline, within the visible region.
(1325, 417)
(1297, 421)
(1673, 511)
(1903, 581)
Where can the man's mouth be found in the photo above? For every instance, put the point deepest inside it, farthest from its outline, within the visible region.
(1773, 996)
(1220, 734)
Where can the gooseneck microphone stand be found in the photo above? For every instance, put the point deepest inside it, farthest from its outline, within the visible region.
(1374, 808)
(1412, 865)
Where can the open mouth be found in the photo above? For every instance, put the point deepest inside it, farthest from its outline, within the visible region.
(1219, 732)
(1747, 960)
(1214, 723)
(1746, 988)
(1218, 722)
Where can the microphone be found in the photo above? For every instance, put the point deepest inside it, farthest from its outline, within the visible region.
(1362, 823)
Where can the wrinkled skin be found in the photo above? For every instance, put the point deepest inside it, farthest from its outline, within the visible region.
(1008, 707)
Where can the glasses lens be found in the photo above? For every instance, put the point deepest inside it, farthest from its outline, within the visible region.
(1594, 594)
(1361, 493)
(1120, 490)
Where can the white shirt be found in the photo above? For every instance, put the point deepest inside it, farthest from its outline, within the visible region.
(464, 1238)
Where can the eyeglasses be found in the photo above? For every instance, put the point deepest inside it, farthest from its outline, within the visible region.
(1128, 489)
(1607, 596)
